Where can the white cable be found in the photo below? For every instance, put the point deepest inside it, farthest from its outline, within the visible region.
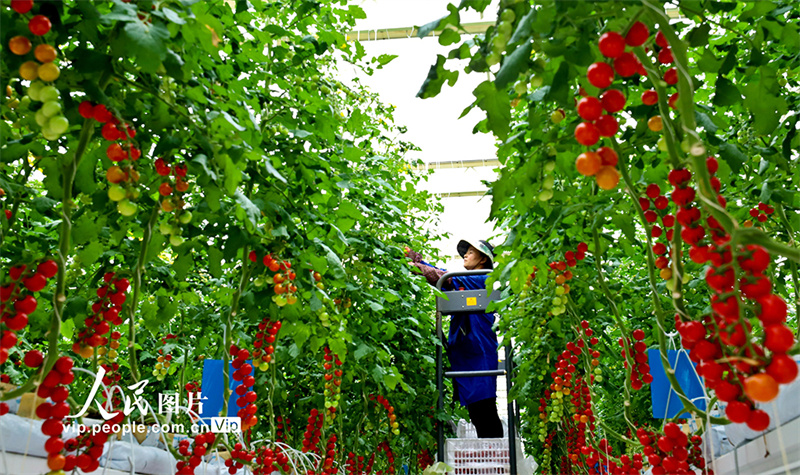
(784, 458)
(3, 450)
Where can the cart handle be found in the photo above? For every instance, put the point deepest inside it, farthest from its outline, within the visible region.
(458, 273)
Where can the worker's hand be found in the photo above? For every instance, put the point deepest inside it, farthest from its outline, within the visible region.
(413, 255)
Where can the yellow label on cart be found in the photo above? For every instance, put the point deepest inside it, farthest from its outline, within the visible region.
(472, 301)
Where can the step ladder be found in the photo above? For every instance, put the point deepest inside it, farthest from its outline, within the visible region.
(471, 301)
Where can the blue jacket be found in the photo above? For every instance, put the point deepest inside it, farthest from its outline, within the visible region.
(472, 345)
(471, 342)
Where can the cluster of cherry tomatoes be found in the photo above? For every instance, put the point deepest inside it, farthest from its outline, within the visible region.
(247, 396)
(172, 200)
(356, 466)
(760, 213)
(670, 453)
(43, 70)
(382, 401)
(333, 381)
(195, 454)
(560, 274)
(661, 248)
(640, 369)
(268, 461)
(123, 152)
(163, 361)
(282, 426)
(105, 312)
(17, 301)
(313, 430)
(326, 464)
(390, 468)
(282, 280)
(267, 333)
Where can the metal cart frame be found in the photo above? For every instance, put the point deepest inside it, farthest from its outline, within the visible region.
(471, 301)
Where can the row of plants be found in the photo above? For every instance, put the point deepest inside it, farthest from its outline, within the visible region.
(184, 181)
(659, 142)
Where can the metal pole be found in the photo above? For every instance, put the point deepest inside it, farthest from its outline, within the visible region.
(440, 388)
(512, 448)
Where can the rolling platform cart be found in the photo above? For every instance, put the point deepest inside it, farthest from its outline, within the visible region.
(471, 301)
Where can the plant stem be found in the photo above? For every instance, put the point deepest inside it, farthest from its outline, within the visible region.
(137, 289)
(243, 283)
(65, 230)
(792, 264)
(620, 322)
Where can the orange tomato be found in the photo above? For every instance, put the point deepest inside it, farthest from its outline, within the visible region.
(607, 178)
(114, 174)
(761, 387)
(19, 45)
(56, 462)
(588, 163)
(655, 123)
(45, 53)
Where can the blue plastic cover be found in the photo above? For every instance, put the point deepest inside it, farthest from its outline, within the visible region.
(212, 392)
(662, 393)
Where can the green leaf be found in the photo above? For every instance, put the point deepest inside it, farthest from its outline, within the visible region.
(251, 210)
(539, 94)
(766, 107)
(730, 60)
(451, 19)
(172, 16)
(215, 262)
(85, 180)
(42, 204)
(523, 29)
(497, 107)
(147, 43)
(173, 64)
(513, 64)
(362, 351)
(67, 328)
(156, 245)
(727, 94)
(708, 63)
(392, 379)
(437, 76)
(705, 121)
(86, 228)
(334, 263)
(790, 37)
(732, 156)
(89, 254)
(699, 36)
(559, 89)
(448, 37)
(183, 264)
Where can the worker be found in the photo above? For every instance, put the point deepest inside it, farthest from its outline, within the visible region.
(471, 341)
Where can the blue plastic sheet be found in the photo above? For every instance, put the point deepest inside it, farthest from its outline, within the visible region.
(212, 390)
(662, 393)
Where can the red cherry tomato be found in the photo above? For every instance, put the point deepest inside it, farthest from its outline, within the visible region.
(611, 44)
(39, 25)
(600, 75)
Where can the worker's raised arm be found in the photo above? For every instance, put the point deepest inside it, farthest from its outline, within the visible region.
(432, 274)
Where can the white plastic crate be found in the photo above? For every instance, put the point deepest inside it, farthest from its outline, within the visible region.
(477, 456)
(484, 457)
(465, 429)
